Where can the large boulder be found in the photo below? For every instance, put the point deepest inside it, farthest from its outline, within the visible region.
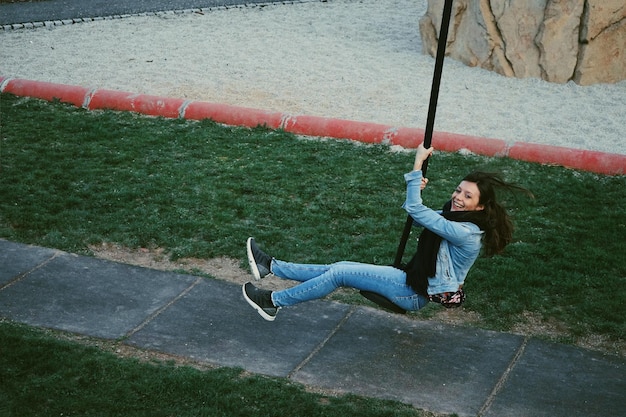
(556, 40)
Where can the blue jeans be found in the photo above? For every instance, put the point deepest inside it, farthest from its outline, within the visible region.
(320, 280)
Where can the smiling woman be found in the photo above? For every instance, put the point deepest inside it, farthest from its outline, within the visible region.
(448, 247)
(466, 197)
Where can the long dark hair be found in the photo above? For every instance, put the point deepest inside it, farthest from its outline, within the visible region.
(499, 230)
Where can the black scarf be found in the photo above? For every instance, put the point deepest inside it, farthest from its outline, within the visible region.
(423, 265)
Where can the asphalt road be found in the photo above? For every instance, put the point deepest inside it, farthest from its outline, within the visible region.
(50, 10)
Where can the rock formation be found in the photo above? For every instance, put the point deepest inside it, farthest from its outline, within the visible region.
(557, 40)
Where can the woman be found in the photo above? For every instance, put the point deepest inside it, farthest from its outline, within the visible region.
(450, 243)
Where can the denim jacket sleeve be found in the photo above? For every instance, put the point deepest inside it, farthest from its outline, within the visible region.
(461, 244)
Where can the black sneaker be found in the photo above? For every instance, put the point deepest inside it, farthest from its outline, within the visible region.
(260, 300)
(259, 261)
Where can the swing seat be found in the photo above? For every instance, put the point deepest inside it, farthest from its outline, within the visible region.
(383, 302)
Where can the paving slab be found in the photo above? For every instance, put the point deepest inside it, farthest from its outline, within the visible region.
(213, 323)
(90, 296)
(554, 380)
(441, 368)
(17, 259)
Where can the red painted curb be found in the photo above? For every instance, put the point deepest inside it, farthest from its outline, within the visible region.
(411, 137)
(451, 142)
(593, 161)
(407, 137)
(232, 115)
(48, 91)
(337, 128)
(140, 103)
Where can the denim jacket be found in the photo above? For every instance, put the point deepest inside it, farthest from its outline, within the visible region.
(461, 242)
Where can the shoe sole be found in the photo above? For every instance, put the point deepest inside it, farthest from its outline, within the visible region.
(255, 306)
(252, 262)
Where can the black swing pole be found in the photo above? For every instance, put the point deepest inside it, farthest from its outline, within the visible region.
(432, 109)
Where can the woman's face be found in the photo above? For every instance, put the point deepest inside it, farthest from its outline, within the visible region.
(466, 197)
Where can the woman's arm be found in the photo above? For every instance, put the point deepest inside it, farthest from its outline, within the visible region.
(454, 232)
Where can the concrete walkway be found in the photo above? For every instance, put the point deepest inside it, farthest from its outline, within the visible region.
(323, 344)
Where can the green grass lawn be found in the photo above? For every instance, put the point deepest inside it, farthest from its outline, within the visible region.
(70, 178)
